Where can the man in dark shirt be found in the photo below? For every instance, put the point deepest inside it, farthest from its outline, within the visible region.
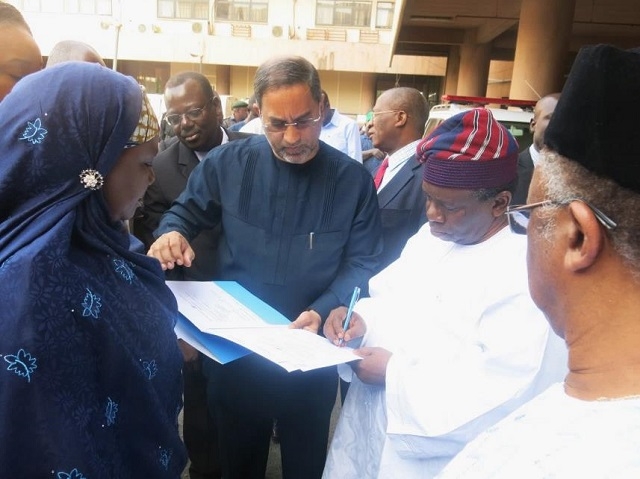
(300, 229)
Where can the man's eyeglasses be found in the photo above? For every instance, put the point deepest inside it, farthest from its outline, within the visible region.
(192, 115)
(279, 126)
(383, 112)
(519, 215)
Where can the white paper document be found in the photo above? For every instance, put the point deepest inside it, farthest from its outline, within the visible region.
(293, 349)
(209, 307)
(214, 311)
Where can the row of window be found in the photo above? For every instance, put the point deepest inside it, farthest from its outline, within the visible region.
(90, 7)
(344, 13)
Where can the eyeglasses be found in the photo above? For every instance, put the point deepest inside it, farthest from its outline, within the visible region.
(191, 115)
(376, 113)
(279, 126)
(519, 215)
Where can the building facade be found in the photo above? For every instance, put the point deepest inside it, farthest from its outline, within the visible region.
(348, 41)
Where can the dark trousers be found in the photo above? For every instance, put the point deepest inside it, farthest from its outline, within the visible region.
(246, 395)
(199, 431)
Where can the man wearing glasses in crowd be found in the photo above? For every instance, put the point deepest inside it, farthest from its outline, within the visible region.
(193, 113)
(453, 340)
(300, 229)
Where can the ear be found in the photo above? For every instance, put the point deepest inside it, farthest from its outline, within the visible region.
(500, 203)
(532, 125)
(402, 119)
(586, 237)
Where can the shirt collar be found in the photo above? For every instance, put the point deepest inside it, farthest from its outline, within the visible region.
(202, 154)
(400, 157)
(535, 154)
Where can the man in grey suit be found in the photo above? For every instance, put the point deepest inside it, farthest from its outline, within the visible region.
(528, 158)
(398, 122)
(194, 112)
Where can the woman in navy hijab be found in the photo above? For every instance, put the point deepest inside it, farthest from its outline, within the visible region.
(90, 383)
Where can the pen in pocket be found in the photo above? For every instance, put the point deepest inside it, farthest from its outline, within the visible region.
(311, 240)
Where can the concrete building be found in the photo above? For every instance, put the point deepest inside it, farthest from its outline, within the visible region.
(349, 42)
(497, 48)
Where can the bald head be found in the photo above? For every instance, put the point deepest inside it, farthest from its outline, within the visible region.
(71, 50)
(398, 119)
(541, 115)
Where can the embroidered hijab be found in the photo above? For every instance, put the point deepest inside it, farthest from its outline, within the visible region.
(90, 382)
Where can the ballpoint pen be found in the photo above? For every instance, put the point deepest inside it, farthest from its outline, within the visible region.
(354, 299)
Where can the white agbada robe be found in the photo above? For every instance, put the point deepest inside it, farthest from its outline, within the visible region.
(469, 346)
(556, 436)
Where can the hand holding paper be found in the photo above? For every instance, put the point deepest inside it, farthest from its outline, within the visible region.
(224, 321)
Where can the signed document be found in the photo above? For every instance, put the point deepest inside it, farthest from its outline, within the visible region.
(224, 321)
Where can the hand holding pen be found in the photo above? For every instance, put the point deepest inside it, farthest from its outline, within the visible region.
(337, 329)
(354, 299)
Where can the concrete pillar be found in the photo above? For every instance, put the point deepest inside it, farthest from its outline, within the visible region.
(223, 82)
(474, 69)
(453, 71)
(544, 33)
(367, 92)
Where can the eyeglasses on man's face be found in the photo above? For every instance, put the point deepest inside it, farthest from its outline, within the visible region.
(279, 126)
(384, 112)
(519, 215)
(192, 115)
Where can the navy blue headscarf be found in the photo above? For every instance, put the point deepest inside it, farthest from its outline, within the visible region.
(90, 371)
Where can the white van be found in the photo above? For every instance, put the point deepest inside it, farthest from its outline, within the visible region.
(515, 115)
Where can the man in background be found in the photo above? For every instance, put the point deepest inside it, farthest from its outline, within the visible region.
(340, 131)
(73, 50)
(398, 122)
(239, 111)
(528, 158)
(254, 112)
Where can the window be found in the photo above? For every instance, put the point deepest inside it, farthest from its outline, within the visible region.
(90, 7)
(242, 10)
(187, 9)
(343, 13)
(384, 15)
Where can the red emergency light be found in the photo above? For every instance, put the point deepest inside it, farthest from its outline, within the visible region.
(480, 100)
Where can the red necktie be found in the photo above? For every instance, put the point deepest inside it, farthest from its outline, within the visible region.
(380, 173)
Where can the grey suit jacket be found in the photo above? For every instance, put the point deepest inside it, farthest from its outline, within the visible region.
(172, 168)
(525, 171)
(402, 209)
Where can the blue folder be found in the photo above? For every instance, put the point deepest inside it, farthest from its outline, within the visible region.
(224, 350)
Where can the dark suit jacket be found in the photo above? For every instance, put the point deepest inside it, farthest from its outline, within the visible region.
(525, 171)
(402, 209)
(172, 168)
